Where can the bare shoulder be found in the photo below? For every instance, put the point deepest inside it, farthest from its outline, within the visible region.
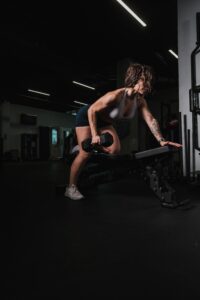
(115, 93)
(108, 99)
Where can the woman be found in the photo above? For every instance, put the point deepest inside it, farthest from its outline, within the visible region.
(93, 120)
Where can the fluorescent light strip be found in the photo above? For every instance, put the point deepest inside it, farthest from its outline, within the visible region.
(132, 13)
(173, 53)
(37, 92)
(87, 86)
(80, 102)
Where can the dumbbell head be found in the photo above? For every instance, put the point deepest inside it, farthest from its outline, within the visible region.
(86, 145)
(106, 139)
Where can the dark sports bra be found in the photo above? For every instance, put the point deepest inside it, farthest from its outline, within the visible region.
(117, 112)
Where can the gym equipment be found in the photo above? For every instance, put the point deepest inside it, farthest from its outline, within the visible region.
(151, 165)
(154, 168)
(194, 97)
(106, 140)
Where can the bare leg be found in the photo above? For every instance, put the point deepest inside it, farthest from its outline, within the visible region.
(82, 157)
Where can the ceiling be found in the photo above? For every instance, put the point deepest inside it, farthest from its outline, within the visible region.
(46, 47)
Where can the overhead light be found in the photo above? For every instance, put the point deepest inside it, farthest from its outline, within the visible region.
(132, 13)
(87, 86)
(80, 102)
(173, 53)
(38, 92)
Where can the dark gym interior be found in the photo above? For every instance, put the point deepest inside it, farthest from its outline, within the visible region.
(136, 233)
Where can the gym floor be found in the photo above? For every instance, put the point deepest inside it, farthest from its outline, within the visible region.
(117, 243)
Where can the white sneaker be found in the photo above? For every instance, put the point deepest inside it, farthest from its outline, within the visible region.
(73, 193)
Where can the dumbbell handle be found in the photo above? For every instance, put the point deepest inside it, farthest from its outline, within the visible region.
(106, 140)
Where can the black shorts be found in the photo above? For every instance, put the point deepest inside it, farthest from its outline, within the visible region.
(82, 118)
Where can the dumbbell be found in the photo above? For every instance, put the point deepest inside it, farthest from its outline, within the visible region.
(106, 140)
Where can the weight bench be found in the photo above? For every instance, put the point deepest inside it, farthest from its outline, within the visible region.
(149, 164)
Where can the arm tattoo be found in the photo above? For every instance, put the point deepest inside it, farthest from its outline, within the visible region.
(155, 129)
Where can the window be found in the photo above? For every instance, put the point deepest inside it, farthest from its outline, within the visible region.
(54, 136)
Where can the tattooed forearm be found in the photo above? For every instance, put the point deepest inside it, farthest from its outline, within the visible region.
(155, 129)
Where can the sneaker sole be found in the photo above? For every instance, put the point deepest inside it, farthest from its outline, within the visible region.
(73, 198)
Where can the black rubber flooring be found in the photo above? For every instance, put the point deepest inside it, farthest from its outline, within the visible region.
(117, 243)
